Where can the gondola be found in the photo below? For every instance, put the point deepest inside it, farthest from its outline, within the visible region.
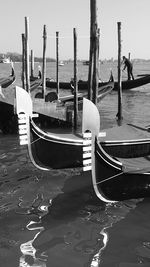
(6, 109)
(62, 149)
(83, 85)
(8, 122)
(34, 84)
(114, 179)
(51, 94)
(130, 84)
(102, 92)
(6, 81)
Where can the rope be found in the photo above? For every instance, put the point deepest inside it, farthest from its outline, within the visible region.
(109, 178)
(114, 176)
(139, 127)
(36, 140)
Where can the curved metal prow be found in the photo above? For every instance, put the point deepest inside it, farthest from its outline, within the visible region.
(91, 122)
(23, 101)
(90, 117)
(24, 111)
(90, 129)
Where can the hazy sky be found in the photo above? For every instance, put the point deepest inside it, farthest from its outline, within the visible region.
(64, 15)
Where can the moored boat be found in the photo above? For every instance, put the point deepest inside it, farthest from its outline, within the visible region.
(114, 178)
(47, 110)
(7, 120)
(83, 85)
(86, 62)
(36, 92)
(63, 149)
(61, 63)
(6, 81)
(5, 60)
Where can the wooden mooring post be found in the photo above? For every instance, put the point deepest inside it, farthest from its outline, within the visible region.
(96, 66)
(27, 54)
(32, 64)
(119, 114)
(44, 63)
(23, 61)
(75, 81)
(57, 62)
(94, 54)
(90, 54)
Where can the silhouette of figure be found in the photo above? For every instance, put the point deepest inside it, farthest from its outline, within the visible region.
(127, 64)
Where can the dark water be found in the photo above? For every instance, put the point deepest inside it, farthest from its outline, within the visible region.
(51, 219)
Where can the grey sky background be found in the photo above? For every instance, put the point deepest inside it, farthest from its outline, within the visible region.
(64, 15)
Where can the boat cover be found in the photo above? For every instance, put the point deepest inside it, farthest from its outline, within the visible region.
(125, 133)
(136, 165)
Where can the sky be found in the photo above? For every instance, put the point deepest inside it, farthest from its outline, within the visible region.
(64, 15)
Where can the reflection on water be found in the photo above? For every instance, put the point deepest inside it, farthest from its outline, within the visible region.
(72, 229)
(51, 218)
(29, 257)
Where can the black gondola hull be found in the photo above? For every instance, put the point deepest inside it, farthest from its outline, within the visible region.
(56, 154)
(113, 183)
(130, 84)
(83, 85)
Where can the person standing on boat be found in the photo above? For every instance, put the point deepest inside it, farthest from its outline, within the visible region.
(127, 64)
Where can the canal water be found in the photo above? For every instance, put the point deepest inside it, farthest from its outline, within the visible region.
(49, 219)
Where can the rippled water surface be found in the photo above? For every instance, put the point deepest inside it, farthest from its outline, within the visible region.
(52, 219)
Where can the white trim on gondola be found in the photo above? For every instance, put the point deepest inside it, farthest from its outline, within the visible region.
(53, 138)
(87, 155)
(22, 126)
(87, 151)
(125, 142)
(111, 161)
(87, 148)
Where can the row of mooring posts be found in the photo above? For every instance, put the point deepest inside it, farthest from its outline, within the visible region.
(93, 78)
(25, 65)
(93, 75)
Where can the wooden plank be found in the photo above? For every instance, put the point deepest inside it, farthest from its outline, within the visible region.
(50, 109)
(53, 109)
